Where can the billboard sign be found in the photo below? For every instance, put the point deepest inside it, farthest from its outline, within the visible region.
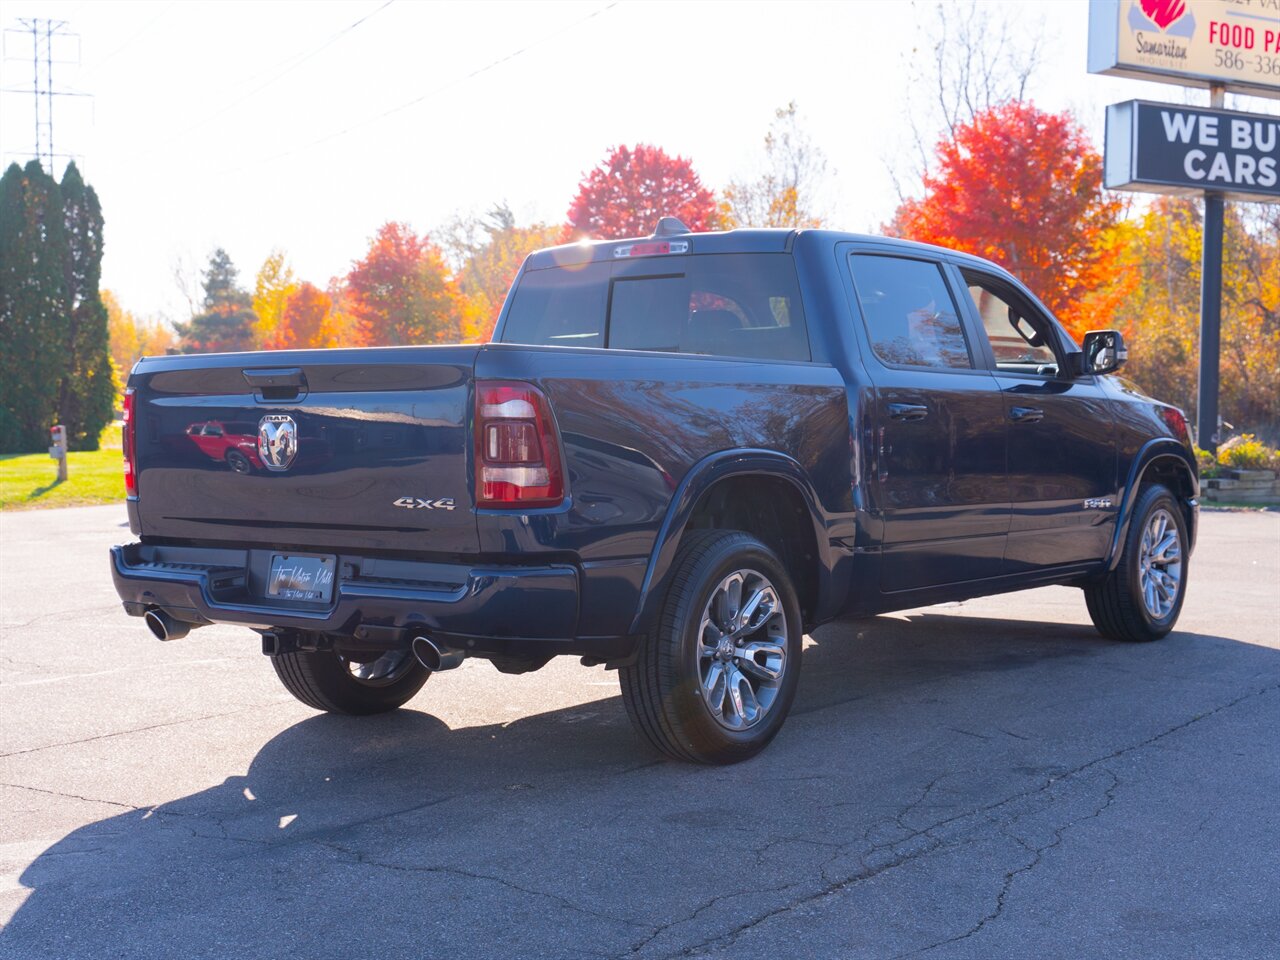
(1163, 148)
(1195, 43)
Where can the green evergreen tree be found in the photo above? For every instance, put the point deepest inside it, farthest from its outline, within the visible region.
(227, 321)
(34, 320)
(86, 394)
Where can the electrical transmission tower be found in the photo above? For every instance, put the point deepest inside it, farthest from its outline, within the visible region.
(43, 32)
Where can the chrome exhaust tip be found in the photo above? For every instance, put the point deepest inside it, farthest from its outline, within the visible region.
(163, 626)
(434, 656)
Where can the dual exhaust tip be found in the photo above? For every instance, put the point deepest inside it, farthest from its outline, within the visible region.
(432, 655)
(163, 626)
(435, 656)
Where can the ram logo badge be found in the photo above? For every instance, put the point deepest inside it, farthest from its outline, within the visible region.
(277, 441)
(1100, 503)
(417, 503)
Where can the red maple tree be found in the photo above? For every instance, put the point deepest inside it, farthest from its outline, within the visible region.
(626, 195)
(1023, 188)
(402, 293)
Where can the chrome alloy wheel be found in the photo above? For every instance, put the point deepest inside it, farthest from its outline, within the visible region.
(387, 669)
(742, 649)
(1160, 564)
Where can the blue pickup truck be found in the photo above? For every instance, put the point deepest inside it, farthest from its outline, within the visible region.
(678, 454)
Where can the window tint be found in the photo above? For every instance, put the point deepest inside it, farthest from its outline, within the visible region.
(910, 316)
(731, 305)
(559, 305)
(1019, 339)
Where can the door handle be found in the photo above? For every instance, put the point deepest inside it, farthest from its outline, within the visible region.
(908, 411)
(1026, 414)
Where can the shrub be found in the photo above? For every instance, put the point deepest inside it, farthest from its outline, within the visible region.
(1207, 463)
(1245, 452)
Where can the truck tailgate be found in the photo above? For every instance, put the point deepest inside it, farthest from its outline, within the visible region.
(316, 449)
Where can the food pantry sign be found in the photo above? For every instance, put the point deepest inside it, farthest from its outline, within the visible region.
(1162, 148)
(1196, 43)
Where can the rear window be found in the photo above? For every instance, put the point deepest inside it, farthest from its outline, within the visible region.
(561, 305)
(731, 305)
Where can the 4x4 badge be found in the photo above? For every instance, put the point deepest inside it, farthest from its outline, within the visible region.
(417, 503)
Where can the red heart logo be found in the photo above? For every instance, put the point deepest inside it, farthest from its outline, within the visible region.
(1164, 12)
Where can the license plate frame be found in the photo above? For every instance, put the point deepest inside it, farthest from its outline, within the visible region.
(301, 577)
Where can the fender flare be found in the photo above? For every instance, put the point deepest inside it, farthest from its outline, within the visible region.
(1161, 448)
(700, 478)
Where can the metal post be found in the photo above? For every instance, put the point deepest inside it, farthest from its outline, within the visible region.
(1210, 311)
(58, 449)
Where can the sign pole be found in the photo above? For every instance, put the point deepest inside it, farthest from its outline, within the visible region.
(1210, 310)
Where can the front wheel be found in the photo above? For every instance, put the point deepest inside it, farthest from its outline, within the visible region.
(1141, 598)
(715, 678)
(326, 680)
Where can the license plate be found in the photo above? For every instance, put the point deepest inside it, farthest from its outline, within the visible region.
(295, 577)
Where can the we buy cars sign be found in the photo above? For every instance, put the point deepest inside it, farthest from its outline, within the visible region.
(1162, 148)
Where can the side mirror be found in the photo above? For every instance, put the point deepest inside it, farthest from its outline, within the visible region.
(1104, 351)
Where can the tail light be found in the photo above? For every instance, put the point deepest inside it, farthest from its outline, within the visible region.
(1177, 422)
(128, 440)
(517, 447)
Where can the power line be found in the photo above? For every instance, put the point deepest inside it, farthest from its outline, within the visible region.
(293, 62)
(93, 67)
(426, 96)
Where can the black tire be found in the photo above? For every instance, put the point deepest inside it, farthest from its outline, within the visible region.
(1116, 603)
(663, 691)
(323, 680)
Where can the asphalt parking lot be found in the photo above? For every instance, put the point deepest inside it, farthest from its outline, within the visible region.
(988, 779)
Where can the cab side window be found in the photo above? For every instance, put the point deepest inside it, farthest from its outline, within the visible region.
(910, 316)
(1020, 339)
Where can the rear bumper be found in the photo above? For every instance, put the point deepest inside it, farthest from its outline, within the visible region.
(499, 610)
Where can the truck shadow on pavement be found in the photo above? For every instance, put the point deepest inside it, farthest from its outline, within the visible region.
(561, 835)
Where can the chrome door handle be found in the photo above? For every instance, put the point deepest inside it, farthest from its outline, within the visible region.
(908, 411)
(1026, 415)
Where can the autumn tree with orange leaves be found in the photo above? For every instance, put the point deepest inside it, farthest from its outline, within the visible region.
(304, 321)
(1023, 188)
(402, 292)
(626, 195)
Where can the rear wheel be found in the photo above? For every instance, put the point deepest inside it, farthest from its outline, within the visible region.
(716, 676)
(1141, 598)
(326, 680)
(238, 462)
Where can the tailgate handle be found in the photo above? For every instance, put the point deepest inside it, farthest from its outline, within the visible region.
(277, 383)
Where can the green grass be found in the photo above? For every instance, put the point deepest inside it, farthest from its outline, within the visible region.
(29, 480)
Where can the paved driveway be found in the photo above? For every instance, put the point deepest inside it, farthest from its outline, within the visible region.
(988, 779)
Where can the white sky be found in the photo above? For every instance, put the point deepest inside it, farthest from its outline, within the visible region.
(202, 126)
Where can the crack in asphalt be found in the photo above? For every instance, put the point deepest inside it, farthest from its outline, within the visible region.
(72, 796)
(1037, 856)
(64, 617)
(837, 886)
(357, 857)
(154, 726)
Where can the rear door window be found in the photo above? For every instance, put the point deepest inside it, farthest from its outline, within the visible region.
(728, 305)
(910, 316)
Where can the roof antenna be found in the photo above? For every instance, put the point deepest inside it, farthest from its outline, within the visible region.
(670, 227)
